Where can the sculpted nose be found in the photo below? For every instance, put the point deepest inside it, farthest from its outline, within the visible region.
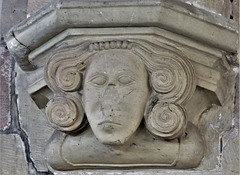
(110, 101)
(111, 95)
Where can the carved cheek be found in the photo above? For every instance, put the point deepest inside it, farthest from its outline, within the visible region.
(129, 93)
(92, 99)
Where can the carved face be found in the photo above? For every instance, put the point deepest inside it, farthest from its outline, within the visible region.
(115, 95)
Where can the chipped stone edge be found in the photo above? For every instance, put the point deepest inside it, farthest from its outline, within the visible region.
(61, 15)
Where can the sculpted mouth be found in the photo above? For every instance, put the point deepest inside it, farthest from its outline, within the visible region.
(107, 122)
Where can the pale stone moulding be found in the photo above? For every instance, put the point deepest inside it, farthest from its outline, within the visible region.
(124, 84)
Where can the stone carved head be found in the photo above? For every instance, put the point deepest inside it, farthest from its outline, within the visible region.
(116, 84)
(115, 94)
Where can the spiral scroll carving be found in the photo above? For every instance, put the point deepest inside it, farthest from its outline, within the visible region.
(166, 120)
(172, 74)
(65, 114)
(163, 81)
(173, 80)
(68, 78)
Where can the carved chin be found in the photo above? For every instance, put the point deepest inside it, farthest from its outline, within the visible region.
(113, 139)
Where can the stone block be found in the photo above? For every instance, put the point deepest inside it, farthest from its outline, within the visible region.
(12, 155)
(32, 120)
(12, 12)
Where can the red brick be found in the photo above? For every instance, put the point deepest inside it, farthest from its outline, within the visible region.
(4, 87)
(35, 5)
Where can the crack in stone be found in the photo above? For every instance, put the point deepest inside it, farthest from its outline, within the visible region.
(15, 127)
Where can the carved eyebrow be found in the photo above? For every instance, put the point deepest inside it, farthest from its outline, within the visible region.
(132, 75)
(96, 74)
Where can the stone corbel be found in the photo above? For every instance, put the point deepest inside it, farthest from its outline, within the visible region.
(179, 52)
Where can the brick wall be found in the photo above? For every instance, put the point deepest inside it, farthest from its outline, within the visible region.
(5, 63)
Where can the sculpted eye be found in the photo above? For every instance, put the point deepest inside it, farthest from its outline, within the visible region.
(125, 80)
(98, 80)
